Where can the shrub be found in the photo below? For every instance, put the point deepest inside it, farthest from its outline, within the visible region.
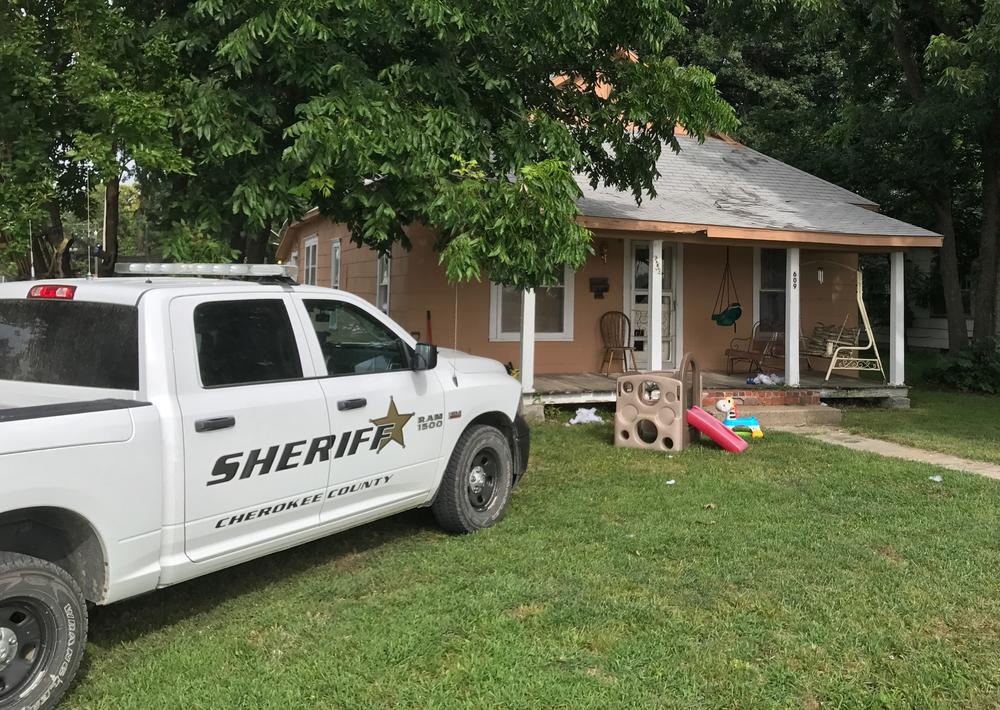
(976, 369)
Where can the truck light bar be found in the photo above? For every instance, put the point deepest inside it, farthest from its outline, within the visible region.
(217, 270)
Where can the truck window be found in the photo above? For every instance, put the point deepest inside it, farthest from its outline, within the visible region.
(244, 342)
(354, 342)
(76, 343)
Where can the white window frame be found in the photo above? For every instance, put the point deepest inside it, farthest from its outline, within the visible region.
(310, 266)
(383, 277)
(335, 256)
(496, 298)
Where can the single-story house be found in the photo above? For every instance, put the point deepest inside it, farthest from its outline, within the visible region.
(790, 239)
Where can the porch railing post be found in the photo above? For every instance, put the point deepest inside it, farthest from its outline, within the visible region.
(792, 317)
(528, 341)
(655, 337)
(897, 317)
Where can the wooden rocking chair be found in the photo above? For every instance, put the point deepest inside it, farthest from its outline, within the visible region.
(616, 332)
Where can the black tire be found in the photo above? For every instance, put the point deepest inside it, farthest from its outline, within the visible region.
(469, 500)
(43, 618)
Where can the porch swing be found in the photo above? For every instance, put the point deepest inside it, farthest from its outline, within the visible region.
(727, 309)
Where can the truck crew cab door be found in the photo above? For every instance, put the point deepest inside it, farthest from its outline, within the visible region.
(251, 417)
(387, 418)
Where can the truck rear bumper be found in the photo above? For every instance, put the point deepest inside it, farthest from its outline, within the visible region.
(522, 446)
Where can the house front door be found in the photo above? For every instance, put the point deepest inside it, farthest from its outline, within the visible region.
(637, 303)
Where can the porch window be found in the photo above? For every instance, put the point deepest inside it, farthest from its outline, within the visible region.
(553, 311)
(309, 265)
(382, 283)
(771, 290)
(335, 264)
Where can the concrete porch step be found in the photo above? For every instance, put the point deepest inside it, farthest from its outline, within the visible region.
(792, 415)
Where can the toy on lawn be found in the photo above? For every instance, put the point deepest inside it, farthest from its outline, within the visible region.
(736, 423)
(651, 409)
(658, 410)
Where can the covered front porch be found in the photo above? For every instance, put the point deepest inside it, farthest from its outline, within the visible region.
(803, 284)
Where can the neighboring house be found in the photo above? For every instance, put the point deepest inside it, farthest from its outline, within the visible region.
(777, 225)
(929, 329)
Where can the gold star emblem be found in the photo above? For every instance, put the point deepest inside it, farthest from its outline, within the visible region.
(397, 420)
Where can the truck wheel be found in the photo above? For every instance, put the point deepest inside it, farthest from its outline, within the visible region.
(43, 628)
(476, 485)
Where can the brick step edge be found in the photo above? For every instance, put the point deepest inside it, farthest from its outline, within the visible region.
(792, 415)
(760, 398)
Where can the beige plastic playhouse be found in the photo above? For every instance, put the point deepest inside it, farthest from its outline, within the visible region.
(651, 409)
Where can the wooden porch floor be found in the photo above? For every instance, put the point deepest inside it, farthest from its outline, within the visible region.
(584, 388)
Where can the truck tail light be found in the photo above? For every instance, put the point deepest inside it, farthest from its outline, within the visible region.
(53, 291)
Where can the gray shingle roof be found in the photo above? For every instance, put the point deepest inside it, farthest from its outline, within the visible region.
(729, 185)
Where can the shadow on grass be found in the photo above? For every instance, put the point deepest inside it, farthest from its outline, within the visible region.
(129, 620)
(602, 433)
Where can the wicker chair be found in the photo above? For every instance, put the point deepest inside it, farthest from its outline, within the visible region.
(616, 332)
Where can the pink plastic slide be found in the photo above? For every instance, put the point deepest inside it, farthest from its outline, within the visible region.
(715, 430)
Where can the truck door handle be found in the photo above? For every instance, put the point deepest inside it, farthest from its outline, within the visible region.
(356, 403)
(214, 424)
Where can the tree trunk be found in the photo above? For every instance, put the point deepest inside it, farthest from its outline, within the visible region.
(59, 266)
(984, 305)
(111, 199)
(255, 249)
(958, 334)
(996, 313)
(40, 256)
(937, 143)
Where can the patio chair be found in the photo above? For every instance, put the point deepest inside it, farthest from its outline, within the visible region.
(616, 332)
(756, 350)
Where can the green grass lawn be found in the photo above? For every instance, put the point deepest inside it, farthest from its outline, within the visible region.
(951, 422)
(795, 575)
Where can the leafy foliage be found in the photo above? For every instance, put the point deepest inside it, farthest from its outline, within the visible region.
(375, 111)
(190, 243)
(83, 98)
(976, 369)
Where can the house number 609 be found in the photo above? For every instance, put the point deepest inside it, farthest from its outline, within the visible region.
(795, 280)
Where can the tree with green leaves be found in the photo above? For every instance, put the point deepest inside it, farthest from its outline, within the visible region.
(965, 57)
(82, 100)
(124, 66)
(394, 112)
(891, 99)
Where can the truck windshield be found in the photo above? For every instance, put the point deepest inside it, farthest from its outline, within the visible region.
(70, 343)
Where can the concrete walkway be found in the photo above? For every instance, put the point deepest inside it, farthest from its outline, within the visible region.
(840, 437)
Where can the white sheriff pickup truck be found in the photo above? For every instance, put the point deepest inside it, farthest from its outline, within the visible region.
(154, 429)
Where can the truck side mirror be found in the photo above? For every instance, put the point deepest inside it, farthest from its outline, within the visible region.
(425, 357)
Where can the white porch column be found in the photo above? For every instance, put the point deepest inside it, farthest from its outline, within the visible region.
(897, 335)
(655, 337)
(792, 316)
(528, 341)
